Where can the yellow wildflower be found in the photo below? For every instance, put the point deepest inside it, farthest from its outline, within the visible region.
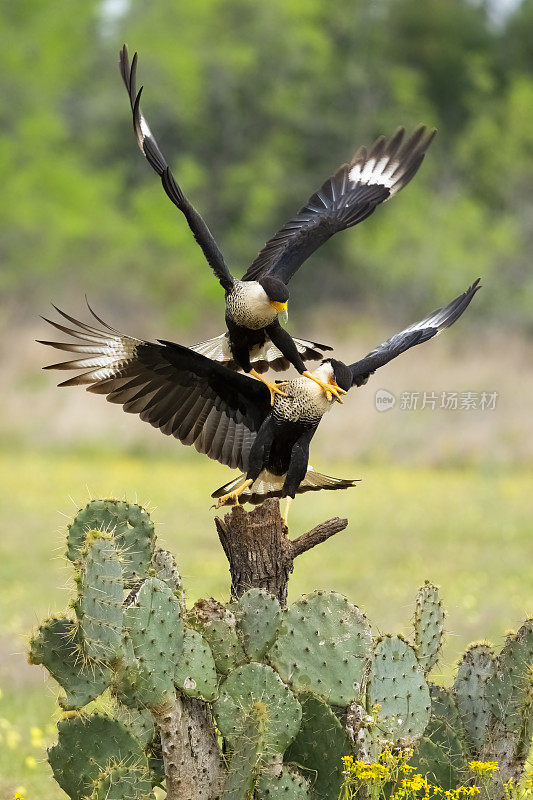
(20, 792)
(482, 768)
(30, 762)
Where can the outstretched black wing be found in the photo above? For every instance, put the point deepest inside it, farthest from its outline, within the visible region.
(155, 158)
(173, 388)
(415, 334)
(345, 199)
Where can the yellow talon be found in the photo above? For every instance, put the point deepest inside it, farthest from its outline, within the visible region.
(331, 389)
(273, 388)
(234, 495)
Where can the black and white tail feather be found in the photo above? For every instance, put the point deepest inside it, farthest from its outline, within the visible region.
(269, 485)
(262, 358)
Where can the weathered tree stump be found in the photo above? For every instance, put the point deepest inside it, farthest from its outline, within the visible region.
(258, 549)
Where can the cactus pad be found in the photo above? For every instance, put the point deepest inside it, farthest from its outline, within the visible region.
(290, 785)
(195, 672)
(218, 627)
(166, 569)
(86, 745)
(132, 528)
(509, 690)
(475, 670)
(318, 748)
(139, 722)
(429, 626)
(122, 782)
(441, 754)
(323, 647)
(155, 628)
(258, 617)
(248, 749)
(398, 687)
(101, 593)
(58, 646)
(258, 683)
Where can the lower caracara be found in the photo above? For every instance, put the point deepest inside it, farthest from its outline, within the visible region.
(225, 414)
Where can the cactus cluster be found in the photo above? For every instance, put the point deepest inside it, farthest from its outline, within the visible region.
(266, 699)
(487, 714)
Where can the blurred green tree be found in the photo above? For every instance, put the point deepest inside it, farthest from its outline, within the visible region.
(254, 105)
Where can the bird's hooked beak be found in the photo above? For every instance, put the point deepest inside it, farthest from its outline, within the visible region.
(281, 308)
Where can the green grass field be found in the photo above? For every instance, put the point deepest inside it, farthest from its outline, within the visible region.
(466, 529)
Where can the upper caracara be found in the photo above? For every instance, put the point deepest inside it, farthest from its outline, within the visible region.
(255, 340)
(225, 414)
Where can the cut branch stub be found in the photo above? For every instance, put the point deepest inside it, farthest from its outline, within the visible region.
(259, 552)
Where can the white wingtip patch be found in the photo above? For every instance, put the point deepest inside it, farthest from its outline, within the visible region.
(374, 172)
(145, 130)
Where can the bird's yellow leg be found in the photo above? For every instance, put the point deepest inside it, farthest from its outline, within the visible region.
(273, 388)
(234, 495)
(288, 501)
(331, 389)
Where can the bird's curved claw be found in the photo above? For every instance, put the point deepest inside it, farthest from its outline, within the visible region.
(233, 495)
(331, 390)
(273, 388)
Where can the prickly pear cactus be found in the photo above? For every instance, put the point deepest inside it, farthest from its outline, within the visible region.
(442, 753)
(132, 528)
(59, 646)
(257, 683)
(398, 687)
(100, 597)
(195, 672)
(324, 647)
(165, 568)
(248, 699)
(217, 624)
(122, 782)
(318, 748)
(155, 629)
(249, 747)
(509, 689)
(258, 616)
(475, 670)
(289, 785)
(429, 626)
(86, 745)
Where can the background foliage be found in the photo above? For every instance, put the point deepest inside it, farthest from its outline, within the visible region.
(255, 104)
